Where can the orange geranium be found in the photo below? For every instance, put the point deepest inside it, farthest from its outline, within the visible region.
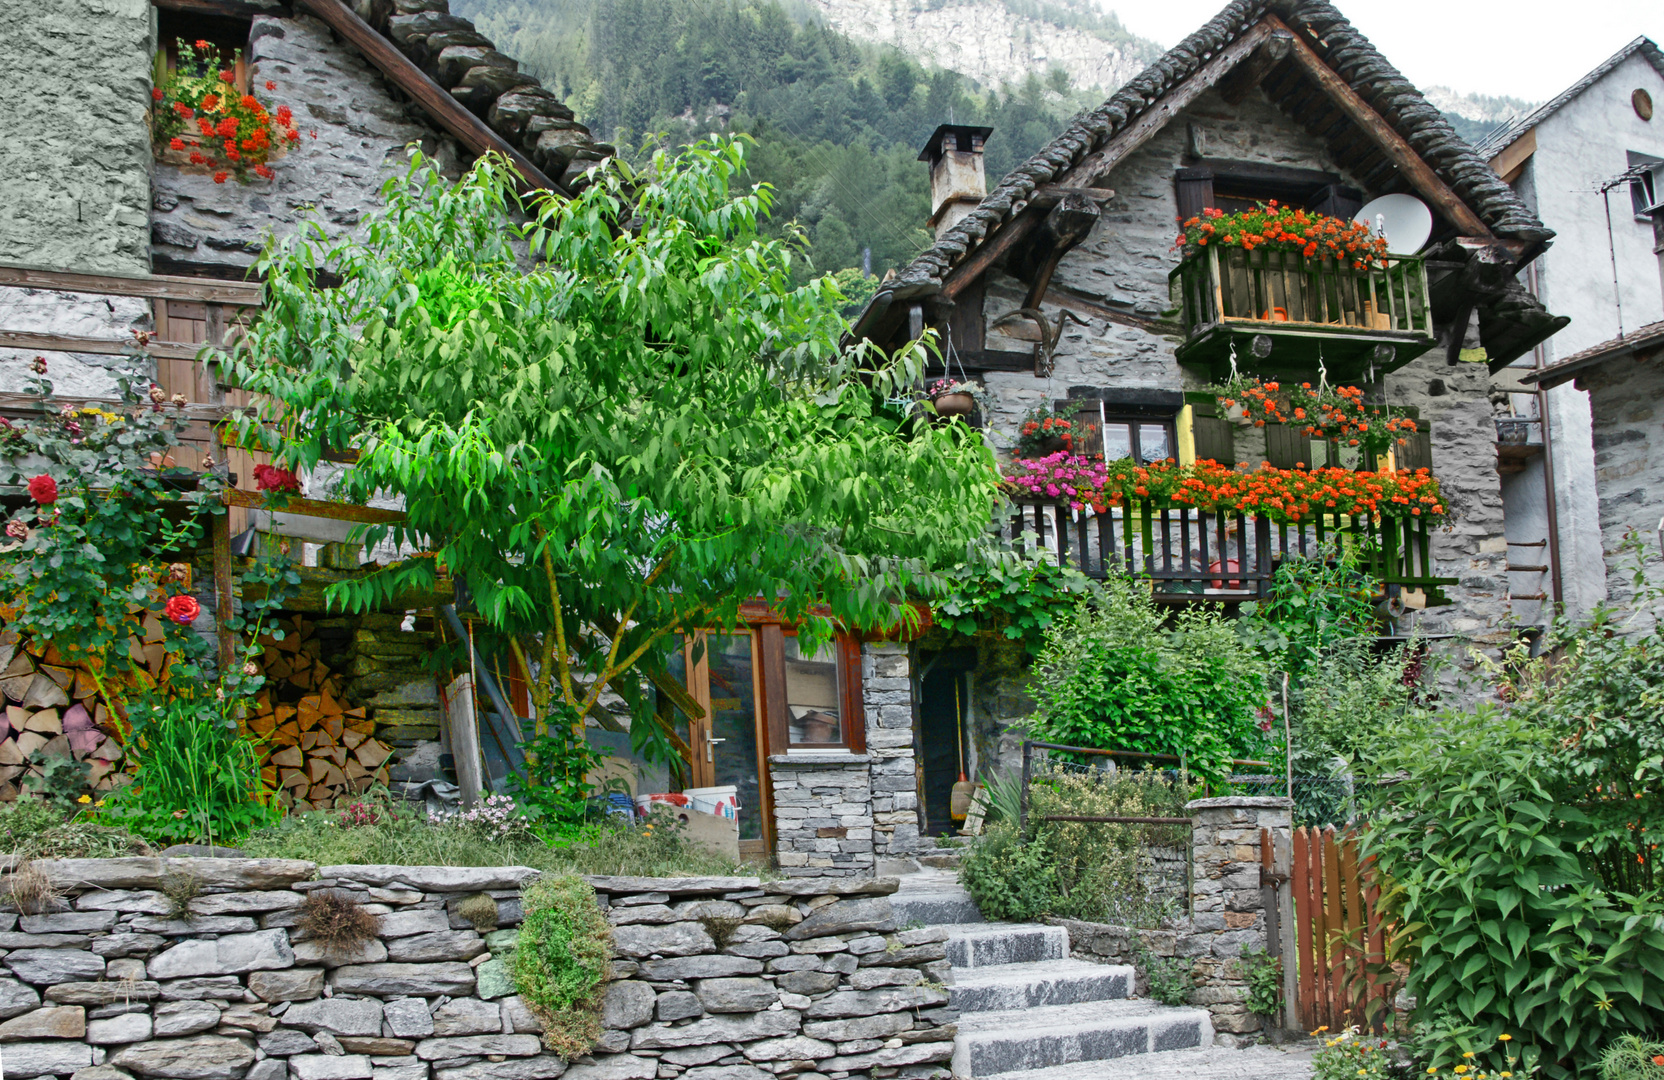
(1283, 228)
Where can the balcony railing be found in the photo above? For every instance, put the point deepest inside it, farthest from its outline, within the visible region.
(1192, 555)
(1282, 313)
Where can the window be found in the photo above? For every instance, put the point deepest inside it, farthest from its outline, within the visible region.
(1234, 186)
(1645, 190)
(229, 35)
(814, 709)
(1144, 441)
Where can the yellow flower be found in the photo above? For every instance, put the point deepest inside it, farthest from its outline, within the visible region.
(1431, 1070)
(1467, 1054)
(99, 803)
(1363, 1072)
(1460, 1069)
(84, 799)
(1504, 1038)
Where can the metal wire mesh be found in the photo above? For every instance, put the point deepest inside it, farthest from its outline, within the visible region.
(1318, 800)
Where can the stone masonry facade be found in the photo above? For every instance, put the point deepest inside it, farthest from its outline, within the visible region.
(712, 978)
(837, 814)
(1228, 910)
(1624, 401)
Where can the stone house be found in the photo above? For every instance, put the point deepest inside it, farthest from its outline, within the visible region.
(1624, 381)
(1580, 162)
(1060, 285)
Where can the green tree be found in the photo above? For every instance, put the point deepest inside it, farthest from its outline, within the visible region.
(649, 426)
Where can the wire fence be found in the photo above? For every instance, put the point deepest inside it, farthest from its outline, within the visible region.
(1318, 800)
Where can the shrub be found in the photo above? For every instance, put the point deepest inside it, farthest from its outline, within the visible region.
(1350, 1056)
(1008, 879)
(337, 920)
(1264, 975)
(180, 887)
(1170, 978)
(1631, 1057)
(1117, 674)
(1508, 926)
(560, 962)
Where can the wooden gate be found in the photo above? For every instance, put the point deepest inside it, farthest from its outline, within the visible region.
(1339, 941)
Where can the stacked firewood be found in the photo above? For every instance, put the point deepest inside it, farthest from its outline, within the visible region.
(318, 751)
(52, 710)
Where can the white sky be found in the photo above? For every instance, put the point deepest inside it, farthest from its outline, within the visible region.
(1530, 49)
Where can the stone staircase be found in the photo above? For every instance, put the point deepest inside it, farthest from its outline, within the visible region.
(1026, 1008)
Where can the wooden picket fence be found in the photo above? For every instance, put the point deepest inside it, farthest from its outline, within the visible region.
(1340, 944)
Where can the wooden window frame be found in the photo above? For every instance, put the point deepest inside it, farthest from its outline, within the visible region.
(852, 704)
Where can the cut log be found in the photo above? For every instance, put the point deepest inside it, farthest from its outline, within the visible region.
(289, 757)
(17, 687)
(20, 665)
(28, 744)
(61, 675)
(56, 746)
(85, 687)
(84, 743)
(76, 718)
(351, 738)
(44, 694)
(373, 753)
(10, 752)
(46, 721)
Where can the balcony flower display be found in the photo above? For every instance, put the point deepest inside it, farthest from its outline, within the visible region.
(1337, 413)
(1046, 431)
(1283, 495)
(1283, 228)
(197, 110)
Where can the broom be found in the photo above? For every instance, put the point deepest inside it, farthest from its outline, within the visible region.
(960, 804)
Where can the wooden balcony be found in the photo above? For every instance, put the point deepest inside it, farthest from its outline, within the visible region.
(1193, 556)
(1282, 313)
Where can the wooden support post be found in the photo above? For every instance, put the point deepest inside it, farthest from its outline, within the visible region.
(224, 593)
(465, 737)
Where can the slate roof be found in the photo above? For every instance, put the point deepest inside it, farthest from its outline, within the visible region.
(1644, 340)
(1505, 134)
(1341, 46)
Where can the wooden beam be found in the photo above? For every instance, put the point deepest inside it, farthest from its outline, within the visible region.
(433, 98)
(364, 515)
(1235, 86)
(21, 339)
(1097, 165)
(225, 9)
(155, 286)
(1052, 194)
(25, 405)
(224, 591)
(1420, 175)
(1513, 157)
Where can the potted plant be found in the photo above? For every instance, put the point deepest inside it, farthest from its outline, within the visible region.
(199, 118)
(1049, 431)
(953, 397)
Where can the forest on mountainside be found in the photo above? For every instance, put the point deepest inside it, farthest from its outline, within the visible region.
(838, 123)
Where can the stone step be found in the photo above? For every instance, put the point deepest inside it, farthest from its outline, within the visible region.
(991, 944)
(942, 860)
(1212, 1063)
(1024, 986)
(939, 905)
(1021, 1040)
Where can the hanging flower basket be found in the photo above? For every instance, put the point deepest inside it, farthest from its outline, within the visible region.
(953, 397)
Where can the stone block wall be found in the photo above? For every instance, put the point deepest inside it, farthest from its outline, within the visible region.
(717, 978)
(76, 161)
(1624, 397)
(1227, 910)
(837, 813)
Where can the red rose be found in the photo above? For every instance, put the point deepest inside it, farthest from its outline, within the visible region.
(156, 93)
(271, 478)
(44, 490)
(182, 609)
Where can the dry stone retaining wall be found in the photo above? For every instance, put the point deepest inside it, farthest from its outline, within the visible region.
(715, 978)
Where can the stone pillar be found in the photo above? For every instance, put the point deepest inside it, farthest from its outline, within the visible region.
(823, 822)
(887, 693)
(1228, 911)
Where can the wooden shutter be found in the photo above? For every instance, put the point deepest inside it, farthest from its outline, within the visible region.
(1195, 191)
(1287, 446)
(1212, 436)
(1416, 451)
(1337, 200)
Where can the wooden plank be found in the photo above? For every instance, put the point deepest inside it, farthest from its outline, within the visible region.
(1304, 917)
(463, 726)
(156, 286)
(1356, 930)
(433, 98)
(1420, 175)
(20, 339)
(1512, 158)
(224, 590)
(225, 9)
(364, 515)
(1235, 87)
(1334, 919)
(1097, 165)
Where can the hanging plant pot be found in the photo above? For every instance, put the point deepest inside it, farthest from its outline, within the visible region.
(955, 404)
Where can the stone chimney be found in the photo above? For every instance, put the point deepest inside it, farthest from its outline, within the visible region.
(957, 180)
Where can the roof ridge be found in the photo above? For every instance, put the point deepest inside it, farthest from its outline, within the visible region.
(1506, 134)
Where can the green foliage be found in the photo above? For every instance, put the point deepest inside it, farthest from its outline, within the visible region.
(1351, 1055)
(553, 790)
(1170, 978)
(1011, 595)
(80, 566)
(1264, 975)
(560, 961)
(403, 836)
(59, 780)
(1120, 673)
(839, 123)
(653, 426)
(1312, 606)
(1631, 1057)
(34, 829)
(1485, 845)
(1009, 879)
(1003, 793)
(196, 780)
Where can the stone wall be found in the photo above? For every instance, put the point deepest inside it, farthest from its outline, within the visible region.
(1624, 399)
(837, 813)
(1227, 912)
(717, 978)
(76, 159)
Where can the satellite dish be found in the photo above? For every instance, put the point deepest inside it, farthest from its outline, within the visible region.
(1403, 219)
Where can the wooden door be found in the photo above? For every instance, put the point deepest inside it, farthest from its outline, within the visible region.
(729, 743)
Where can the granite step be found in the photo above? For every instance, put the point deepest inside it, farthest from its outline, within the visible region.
(1022, 1040)
(1005, 987)
(934, 897)
(994, 944)
(1212, 1063)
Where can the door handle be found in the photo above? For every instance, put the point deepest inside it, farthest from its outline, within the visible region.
(710, 750)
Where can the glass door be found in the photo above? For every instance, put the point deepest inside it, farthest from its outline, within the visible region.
(721, 673)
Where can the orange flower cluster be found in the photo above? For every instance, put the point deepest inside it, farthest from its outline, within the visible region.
(1283, 228)
(1336, 413)
(1291, 495)
(235, 131)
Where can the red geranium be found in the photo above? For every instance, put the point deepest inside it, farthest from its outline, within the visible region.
(271, 478)
(182, 609)
(44, 490)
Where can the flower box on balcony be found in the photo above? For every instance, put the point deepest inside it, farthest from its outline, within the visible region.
(1282, 312)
